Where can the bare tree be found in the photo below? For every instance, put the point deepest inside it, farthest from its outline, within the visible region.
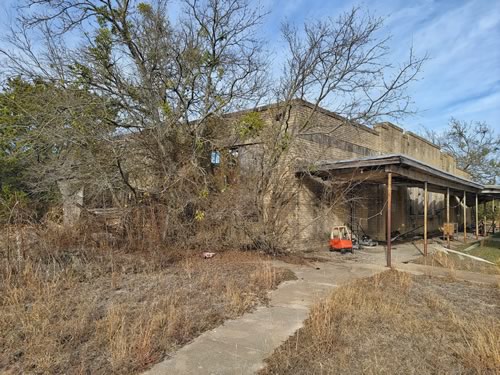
(171, 86)
(339, 63)
(343, 62)
(474, 145)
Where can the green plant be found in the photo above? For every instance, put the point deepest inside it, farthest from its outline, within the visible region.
(14, 204)
(251, 124)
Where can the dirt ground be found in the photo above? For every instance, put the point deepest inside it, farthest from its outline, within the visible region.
(100, 311)
(394, 323)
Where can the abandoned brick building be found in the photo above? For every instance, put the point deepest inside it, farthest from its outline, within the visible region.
(334, 150)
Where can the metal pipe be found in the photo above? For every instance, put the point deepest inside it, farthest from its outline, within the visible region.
(494, 217)
(465, 217)
(448, 215)
(477, 217)
(405, 233)
(484, 219)
(425, 218)
(389, 219)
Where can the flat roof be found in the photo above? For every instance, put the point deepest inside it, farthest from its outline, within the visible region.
(491, 191)
(406, 169)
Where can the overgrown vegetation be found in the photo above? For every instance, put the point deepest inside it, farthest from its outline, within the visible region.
(393, 323)
(110, 114)
(67, 306)
(129, 115)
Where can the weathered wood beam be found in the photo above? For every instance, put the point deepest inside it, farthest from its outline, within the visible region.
(432, 180)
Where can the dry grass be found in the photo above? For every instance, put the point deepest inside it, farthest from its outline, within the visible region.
(65, 308)
(394, 323)
(490, 253)
(455, 262)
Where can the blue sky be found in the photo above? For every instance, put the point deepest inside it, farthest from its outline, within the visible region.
(462, 38)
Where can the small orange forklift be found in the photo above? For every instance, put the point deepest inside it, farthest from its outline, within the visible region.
(341, 239)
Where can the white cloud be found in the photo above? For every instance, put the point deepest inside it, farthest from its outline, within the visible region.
(461, 79)
(465, 63)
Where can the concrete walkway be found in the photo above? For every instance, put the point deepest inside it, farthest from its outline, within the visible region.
(240, 346)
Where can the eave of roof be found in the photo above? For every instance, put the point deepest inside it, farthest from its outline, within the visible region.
(492, 191)
(388, 160)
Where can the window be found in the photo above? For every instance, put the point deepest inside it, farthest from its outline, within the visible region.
(215, 158)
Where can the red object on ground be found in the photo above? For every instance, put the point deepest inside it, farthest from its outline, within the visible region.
(340, 239)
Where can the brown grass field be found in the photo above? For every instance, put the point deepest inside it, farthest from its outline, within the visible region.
(76, 310)
(394, 323)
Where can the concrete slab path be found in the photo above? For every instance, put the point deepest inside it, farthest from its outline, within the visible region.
(240, 346)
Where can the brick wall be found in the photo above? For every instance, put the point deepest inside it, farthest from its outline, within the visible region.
(330, 138)
(394, 140)
(323, 136)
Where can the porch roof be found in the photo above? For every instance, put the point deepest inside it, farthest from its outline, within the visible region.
(405, 171)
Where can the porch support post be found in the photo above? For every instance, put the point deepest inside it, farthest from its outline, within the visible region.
(485, 227)
(477, 217)
(426, 203)
(389, 219)
(494, 217)
(465, 218)
(448, 215)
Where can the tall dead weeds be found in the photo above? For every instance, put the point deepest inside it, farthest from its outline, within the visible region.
(69, 305)
(393, 323)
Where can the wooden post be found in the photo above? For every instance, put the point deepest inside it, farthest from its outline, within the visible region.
(389, 219)
(425, 218)
(485, 228)
(465, 218)
(448, 215)
(494, 217)
(477, 217)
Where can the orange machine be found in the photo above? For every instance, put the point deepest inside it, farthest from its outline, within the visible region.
(341, 239)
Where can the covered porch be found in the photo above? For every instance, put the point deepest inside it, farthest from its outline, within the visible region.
(396, 170)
